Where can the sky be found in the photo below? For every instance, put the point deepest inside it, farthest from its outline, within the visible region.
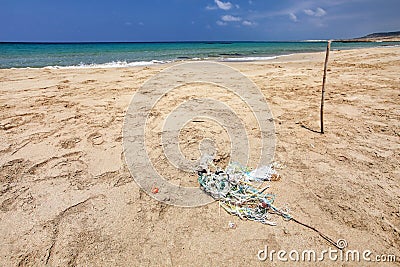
(193, 20)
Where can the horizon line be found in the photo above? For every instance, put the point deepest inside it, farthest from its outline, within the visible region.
(126, 42)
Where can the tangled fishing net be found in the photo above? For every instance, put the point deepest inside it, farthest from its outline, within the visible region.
(240, 191)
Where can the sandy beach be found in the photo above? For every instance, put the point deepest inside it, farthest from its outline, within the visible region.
(68, 199)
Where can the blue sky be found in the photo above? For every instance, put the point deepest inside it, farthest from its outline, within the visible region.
(194, 20)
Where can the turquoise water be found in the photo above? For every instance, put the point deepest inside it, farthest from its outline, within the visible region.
(20, 55)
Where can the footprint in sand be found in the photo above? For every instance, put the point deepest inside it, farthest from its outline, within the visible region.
(70, 143)
(19, 120)
(62, 86)
(96, 139)
(89, 81)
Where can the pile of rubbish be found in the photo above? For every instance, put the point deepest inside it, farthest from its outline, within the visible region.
(241, 191)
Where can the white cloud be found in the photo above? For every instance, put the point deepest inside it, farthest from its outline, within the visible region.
(221, 23)
(211, 7)
(299, 8)
(223, 5)
(309, 12)
(293, 17)
(248, 23)
(230, 18)
(141, 23)
(319, 12)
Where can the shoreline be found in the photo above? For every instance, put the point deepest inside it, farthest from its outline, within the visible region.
(155, 62)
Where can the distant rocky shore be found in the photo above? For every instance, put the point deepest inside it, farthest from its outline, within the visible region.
(376, 37)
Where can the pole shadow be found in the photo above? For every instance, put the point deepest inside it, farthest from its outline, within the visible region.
(308, 128)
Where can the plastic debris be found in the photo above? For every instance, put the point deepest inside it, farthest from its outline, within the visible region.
(236, 191)
(154, 190)
(232, 225)
(263, 173)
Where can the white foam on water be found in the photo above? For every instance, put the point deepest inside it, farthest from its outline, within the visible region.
(242, 59)
(314, 41)
(114, 64)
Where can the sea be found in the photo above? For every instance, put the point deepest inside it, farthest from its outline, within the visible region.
(111, 55)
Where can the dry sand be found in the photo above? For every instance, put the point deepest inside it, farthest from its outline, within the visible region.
(67, 197)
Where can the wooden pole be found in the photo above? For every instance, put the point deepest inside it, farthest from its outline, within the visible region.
(328, 48)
